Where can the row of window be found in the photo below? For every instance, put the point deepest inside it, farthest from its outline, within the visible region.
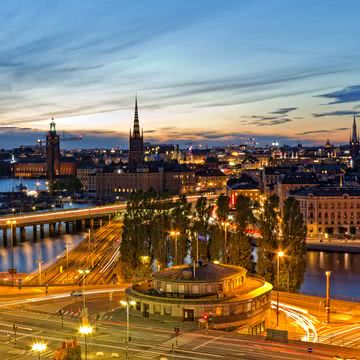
(332, 215)
(339, 205)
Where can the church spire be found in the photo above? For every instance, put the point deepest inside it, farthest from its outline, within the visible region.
(354, 131)
(136, 131)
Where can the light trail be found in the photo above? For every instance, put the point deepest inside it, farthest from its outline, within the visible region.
(302, 318)
(57, 296)
(111, 261)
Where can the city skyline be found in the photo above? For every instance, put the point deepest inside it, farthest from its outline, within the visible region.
(203, 73)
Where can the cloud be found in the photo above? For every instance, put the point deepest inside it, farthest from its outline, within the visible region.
(345, 95)
(336, 113)
(311, 132)
(261, 120)
(283, 111)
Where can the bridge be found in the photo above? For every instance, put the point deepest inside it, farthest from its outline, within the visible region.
(52, 221)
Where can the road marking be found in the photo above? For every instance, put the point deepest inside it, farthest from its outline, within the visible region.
(207, 342)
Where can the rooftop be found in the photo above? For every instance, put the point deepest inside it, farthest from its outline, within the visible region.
(209, 272)
(328, 191)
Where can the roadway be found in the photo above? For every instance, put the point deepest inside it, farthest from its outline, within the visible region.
(344, 326)
(99, 256)
(148, 340)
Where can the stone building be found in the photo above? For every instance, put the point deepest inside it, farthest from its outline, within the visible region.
(330, 211)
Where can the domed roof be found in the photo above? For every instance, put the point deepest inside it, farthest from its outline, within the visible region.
(208, 272)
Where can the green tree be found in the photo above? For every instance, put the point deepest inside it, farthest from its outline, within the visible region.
(240, 248)
(180, 226)
(217, 241)
(293, 264)
(268, 242)
(222, 208)
(134, 242)
(201, 228)
(67, 183)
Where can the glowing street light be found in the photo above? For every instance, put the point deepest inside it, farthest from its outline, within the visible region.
(85, 330)
(39, 348)
(225, 225)
(127, 304)
(327, 302)
(145, 259)
(175, 235)
(84, 273)
(280, 254)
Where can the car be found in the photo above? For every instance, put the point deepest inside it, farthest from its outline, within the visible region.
(76, 293)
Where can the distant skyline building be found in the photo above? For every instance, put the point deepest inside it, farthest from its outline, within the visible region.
(136, 141)
(53, 152)
(354, 141)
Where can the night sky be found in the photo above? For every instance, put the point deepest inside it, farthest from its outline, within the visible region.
(205, 71)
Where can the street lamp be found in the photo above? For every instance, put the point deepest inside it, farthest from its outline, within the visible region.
(84, 273)
(85, 330)
(127, 304)
(67, 260)
(327, 302)
(175, 235)
(280, 254)
(34, 208)
(225, 225)
(39, 348)
(12, 223)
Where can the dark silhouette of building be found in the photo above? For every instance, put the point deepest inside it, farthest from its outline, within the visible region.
(136, 142)
(53, 152)
(354, 142)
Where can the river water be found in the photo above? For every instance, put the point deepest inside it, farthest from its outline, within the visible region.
(345, 277)
(27, 254)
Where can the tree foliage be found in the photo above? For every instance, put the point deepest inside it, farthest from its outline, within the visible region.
(240, 248)
(293, 265)
(268, 243)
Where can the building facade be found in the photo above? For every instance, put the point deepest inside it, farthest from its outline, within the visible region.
(222, 293)
(330, 212)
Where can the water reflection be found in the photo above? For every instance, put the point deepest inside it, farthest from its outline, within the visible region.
(345, 275)
(27, 254)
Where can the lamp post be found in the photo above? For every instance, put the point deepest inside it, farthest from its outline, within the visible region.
(39, 348)
(12, 223)
(225, 225)
(327, 302)
(279, 255)
(127, 304)
(85, 330)
(84, 273)
(67, 260)
(89, 239)
(175, 235)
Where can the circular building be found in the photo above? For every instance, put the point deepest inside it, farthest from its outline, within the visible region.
(222, 294)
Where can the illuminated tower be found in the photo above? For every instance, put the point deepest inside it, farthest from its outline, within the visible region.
(136, 141)
(354, 141)
(53, 152)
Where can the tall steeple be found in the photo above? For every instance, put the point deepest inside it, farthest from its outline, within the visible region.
(354, 142)
(136, 131)
(354, 137)
(136, 141)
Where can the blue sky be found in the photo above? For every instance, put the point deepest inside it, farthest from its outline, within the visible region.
(205, 71)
